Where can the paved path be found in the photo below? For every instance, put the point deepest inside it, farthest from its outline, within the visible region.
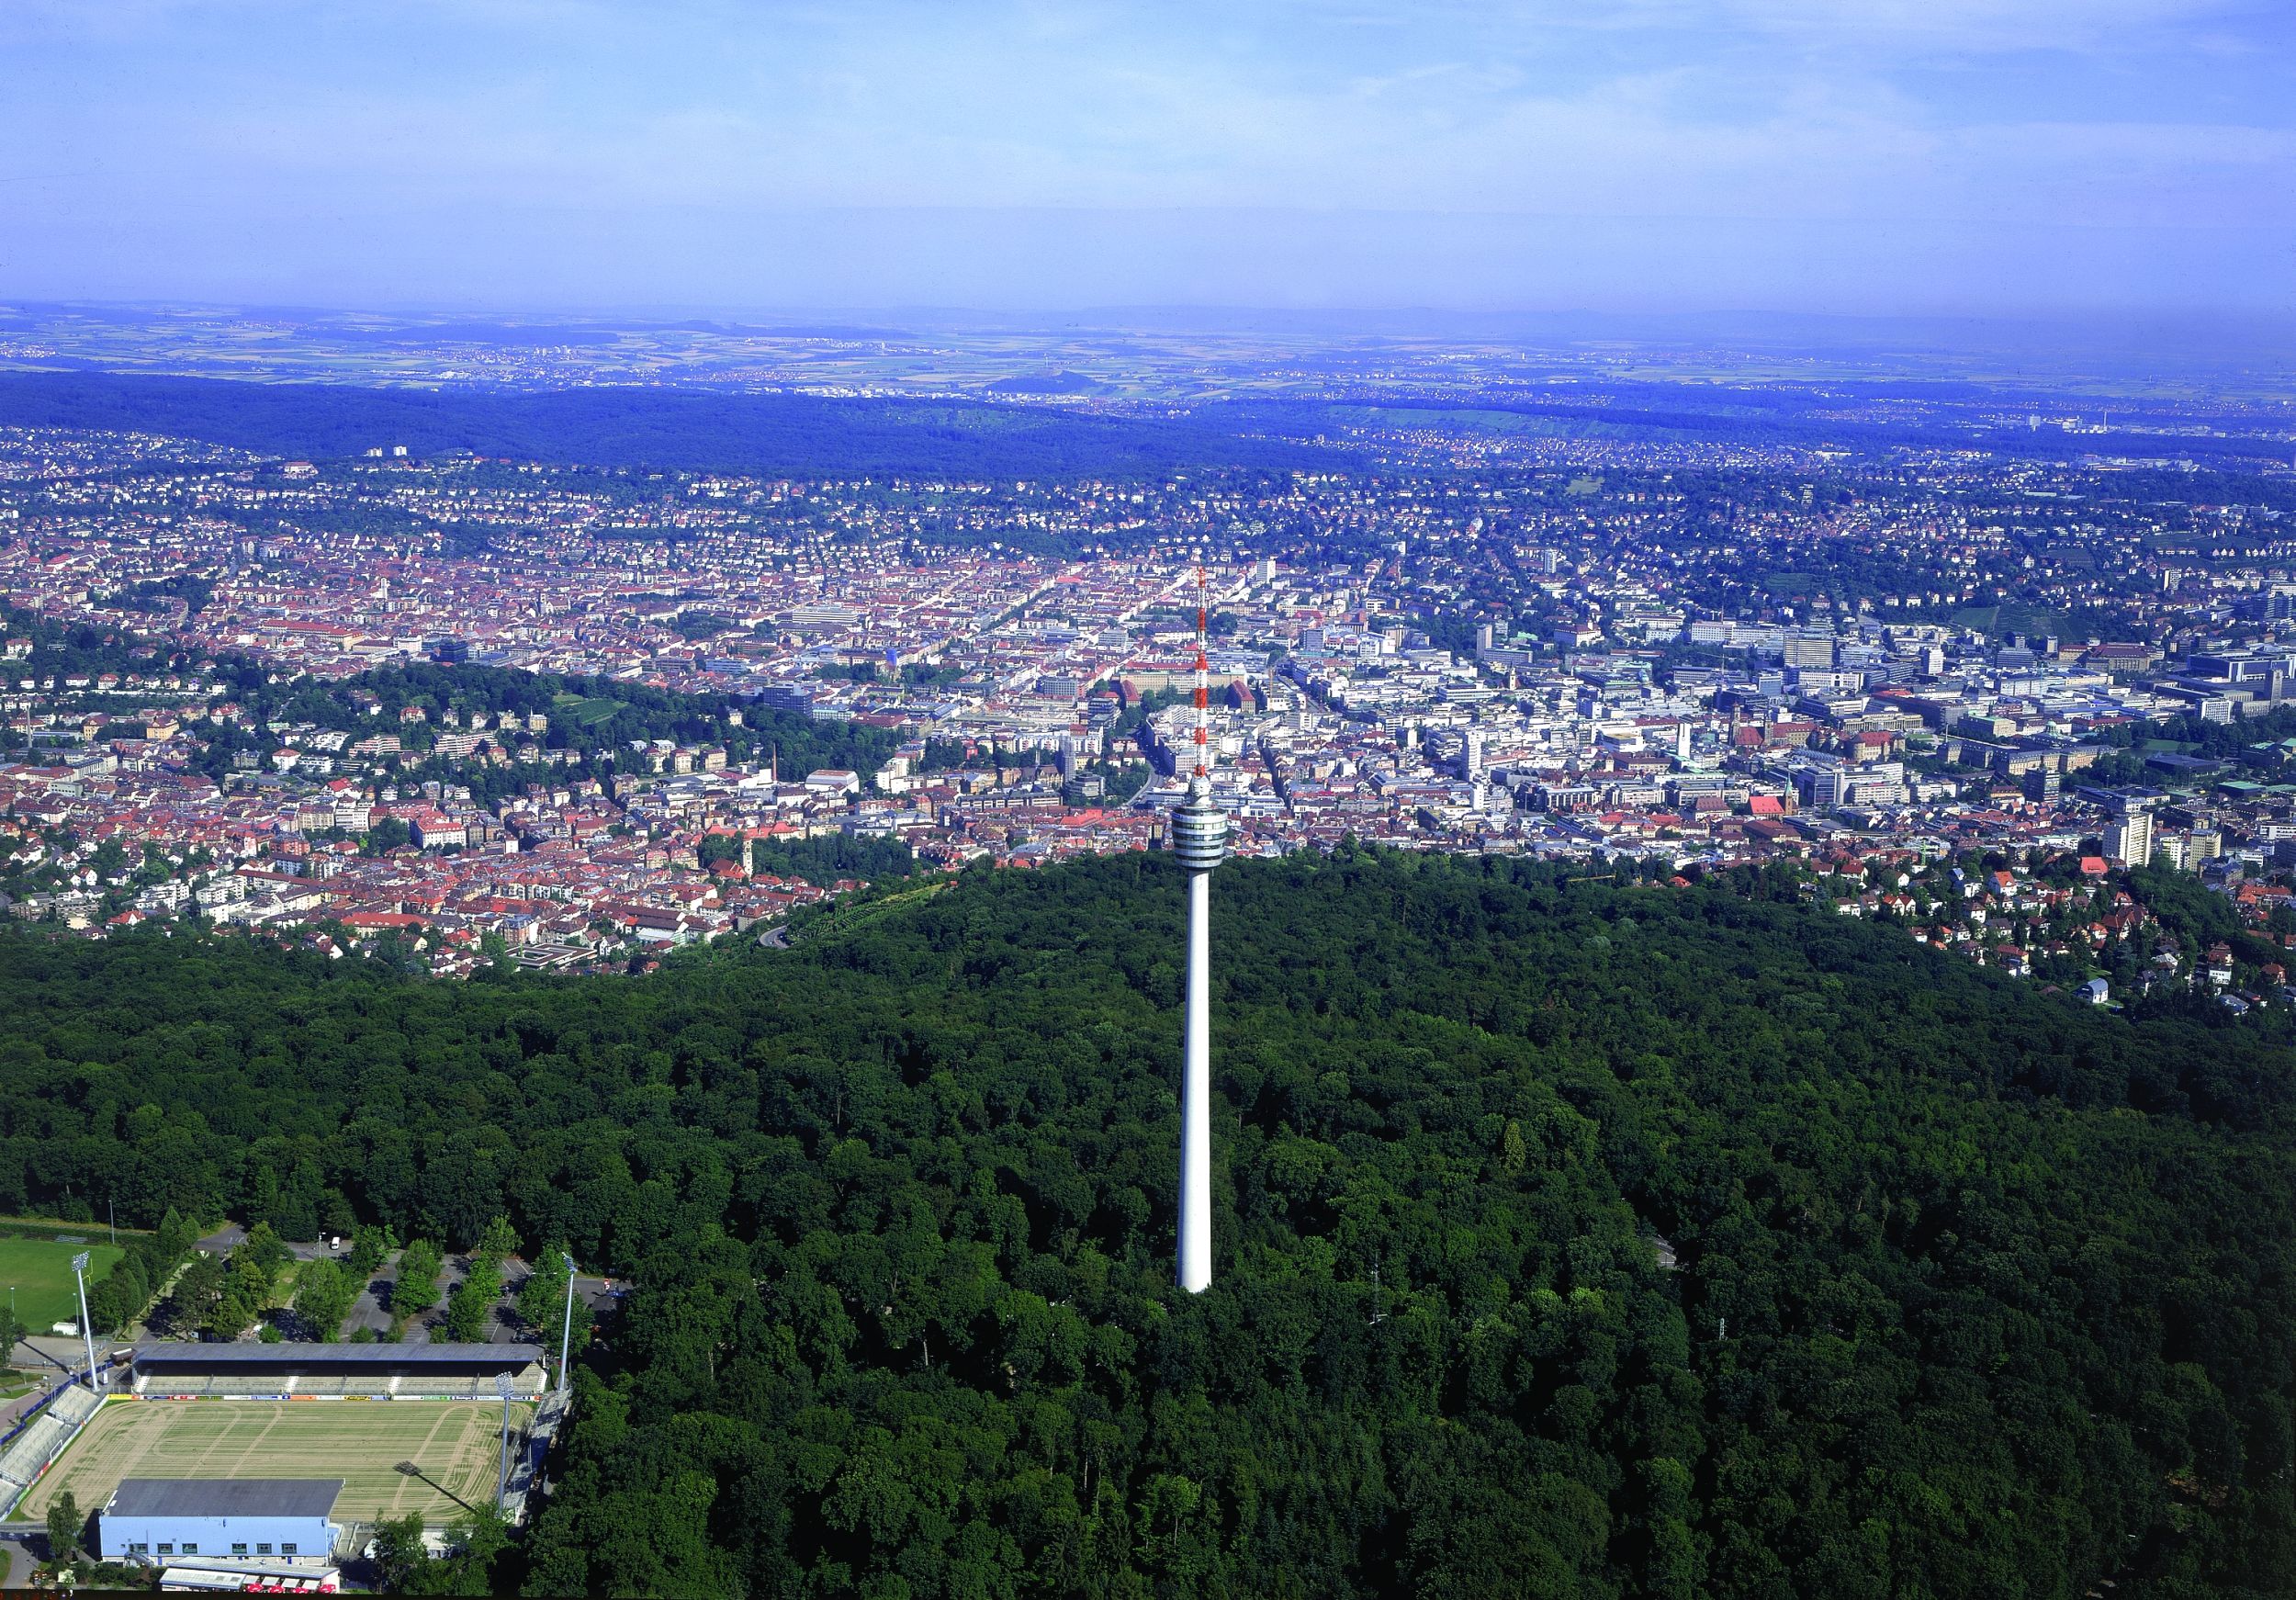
(47, 1353)
(10, 1411)
(368, 1311)
(224, 1240)
(16, 1560)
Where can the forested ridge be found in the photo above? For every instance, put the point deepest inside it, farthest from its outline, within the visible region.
(1976, 1291)
(697, 429)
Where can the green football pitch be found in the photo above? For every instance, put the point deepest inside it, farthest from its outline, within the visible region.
(456, 1442)
(38, 1272)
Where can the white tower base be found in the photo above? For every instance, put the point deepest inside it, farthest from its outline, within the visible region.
(1195, 1095)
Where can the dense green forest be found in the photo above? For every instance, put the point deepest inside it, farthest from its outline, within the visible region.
(824, 861)
(1574, 1238)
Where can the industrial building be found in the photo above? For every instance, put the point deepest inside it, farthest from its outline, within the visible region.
(157, 1519)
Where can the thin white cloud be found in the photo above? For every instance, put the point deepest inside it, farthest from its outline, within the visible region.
(355, 123)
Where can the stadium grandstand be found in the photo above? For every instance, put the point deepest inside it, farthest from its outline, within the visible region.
(32, 1447)
(261, 1371)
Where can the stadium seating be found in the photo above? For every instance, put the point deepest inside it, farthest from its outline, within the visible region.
(528, 1381)
(33, 1448)
(248, 1384)
(75, 1404)
(41, 1439)
(459, 1388)
(161, 1388)
(458, 1371)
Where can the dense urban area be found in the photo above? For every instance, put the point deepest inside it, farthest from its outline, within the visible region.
(1747, 1026)
(459, 710)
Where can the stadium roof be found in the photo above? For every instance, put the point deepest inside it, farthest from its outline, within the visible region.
(224, 1497)
(261, 1358)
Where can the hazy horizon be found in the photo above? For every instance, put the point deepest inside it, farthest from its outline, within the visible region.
(2000, 158)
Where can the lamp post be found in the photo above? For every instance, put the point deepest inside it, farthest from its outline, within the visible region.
(566, 1335)
(502, 1477)
(408, 1470)
(79, 1276)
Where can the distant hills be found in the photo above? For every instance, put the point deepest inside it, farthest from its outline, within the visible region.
(659, 429)
(783, 435)
(1782, 416)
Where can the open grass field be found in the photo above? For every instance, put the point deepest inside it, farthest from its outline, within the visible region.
(588, 713)
(456, 1442)
(40, 1270)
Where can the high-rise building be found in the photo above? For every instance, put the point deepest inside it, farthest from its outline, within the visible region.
(1828, 786)
(2130, 838)
(1809, 650)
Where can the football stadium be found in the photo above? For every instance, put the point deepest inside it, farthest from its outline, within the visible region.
(402, 1428)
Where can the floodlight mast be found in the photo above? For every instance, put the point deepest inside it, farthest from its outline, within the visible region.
(79, 1276)
(1199, 838)
(502, 1477)
(566, 1335)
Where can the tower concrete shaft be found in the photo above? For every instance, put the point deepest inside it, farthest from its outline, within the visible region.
(1199, 838)
(1195, 1095)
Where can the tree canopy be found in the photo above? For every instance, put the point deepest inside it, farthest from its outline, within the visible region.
(1573, 1238)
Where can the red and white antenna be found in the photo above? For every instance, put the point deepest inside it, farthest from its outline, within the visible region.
(1203, 683)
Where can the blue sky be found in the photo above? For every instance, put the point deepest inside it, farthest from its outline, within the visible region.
(1834, 155)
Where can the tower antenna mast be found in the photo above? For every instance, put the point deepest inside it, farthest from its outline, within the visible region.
(1199, 838)
(1202, 772)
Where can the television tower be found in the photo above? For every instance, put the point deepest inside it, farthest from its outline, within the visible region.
(1199, 838)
